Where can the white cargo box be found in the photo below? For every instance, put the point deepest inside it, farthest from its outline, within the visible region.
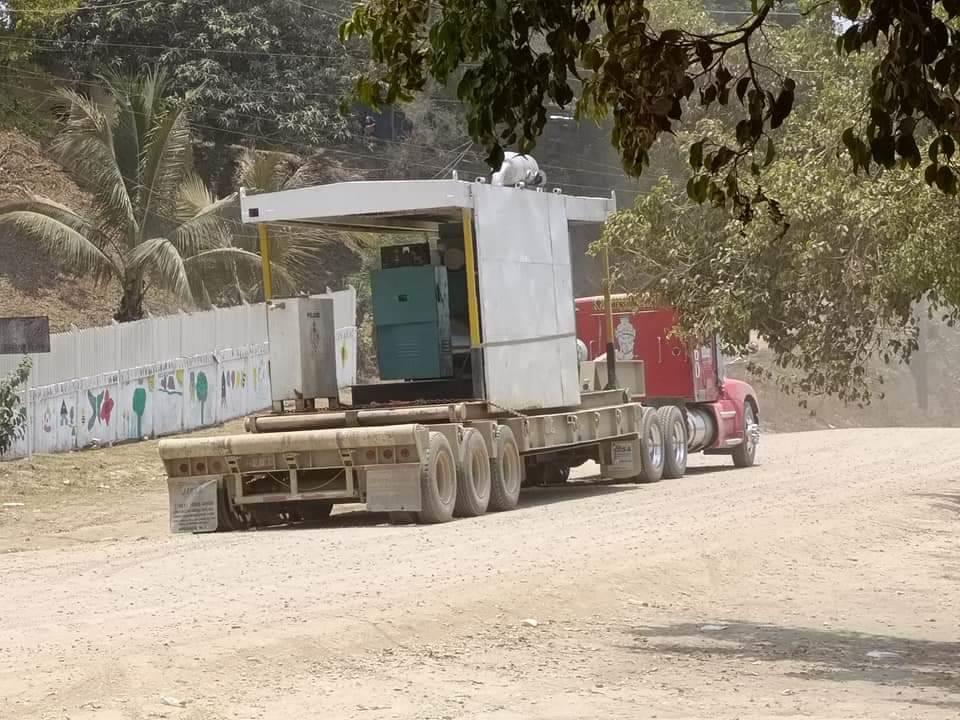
(303, 362)
(523, 266)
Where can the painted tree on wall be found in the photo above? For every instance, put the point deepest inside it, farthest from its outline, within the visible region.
(202, 390)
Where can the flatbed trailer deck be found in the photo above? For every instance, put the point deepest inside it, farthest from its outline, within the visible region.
(392, 466)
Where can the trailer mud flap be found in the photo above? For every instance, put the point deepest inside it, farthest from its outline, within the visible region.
(621, 459)
(394, 488)
(193, 504)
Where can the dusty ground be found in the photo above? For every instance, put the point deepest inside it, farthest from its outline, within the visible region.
(821, 584)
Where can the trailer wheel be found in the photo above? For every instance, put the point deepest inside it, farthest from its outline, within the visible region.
(546, 474)
(651, 447)
(745, 454)
(674, 441)
(506, 472)
(438, 482)
(473, 476)
(228, 519)
(315, 512)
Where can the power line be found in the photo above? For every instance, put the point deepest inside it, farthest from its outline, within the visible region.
(52, 46)
(328, 13)
(346, 153)
(70, 11)
(618, 174)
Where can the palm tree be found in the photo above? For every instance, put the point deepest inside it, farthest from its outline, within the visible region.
(301, 254)
(151, 221)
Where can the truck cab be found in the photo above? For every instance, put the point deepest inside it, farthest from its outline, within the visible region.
(660, 370)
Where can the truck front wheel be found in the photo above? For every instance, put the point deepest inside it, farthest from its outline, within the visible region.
(745, 454)
(674, 441)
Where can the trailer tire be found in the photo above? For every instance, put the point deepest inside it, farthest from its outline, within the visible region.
(546, 474)
(228, 519)
(651, 447)
(473, 476)
(401, 518)
(674, 441)
(506, 471)
(438, 482)
(315, 511)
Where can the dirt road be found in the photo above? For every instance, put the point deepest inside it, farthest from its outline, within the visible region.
(820, 584)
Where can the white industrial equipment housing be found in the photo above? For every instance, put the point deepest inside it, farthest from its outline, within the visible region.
(524, 275)
(307, 369)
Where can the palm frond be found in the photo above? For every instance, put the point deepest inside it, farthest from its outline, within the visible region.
(166, 160)
(57, 233)
(204, 221)
(85, 148)
(195, 196)
(260, 171)
(251, 263)
(161, 260)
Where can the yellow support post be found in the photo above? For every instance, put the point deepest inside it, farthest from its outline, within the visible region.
(265, 261)
(470, 265)
(608, 303)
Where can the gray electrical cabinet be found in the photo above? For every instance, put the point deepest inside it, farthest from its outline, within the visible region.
(411, 315)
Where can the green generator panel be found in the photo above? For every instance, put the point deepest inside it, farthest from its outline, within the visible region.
(411, 318)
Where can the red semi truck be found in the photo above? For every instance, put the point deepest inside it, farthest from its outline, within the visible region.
(700, 409)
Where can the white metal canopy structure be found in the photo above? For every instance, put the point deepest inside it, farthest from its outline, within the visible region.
(520, 287)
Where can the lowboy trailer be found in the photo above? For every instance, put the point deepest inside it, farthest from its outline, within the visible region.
(482, 387)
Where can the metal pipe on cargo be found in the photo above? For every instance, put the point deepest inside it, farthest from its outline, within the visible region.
(360, 418)
(274, 443)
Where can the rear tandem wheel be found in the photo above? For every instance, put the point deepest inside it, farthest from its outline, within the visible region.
(651, 446)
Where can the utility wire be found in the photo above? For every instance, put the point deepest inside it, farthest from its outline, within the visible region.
(310, 149)
(71, 11)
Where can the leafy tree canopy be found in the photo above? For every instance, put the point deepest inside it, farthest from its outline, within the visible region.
(830, 273)
(610, 58)
(273, 69)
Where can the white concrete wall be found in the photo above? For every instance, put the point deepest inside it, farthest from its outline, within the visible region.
(158, 376)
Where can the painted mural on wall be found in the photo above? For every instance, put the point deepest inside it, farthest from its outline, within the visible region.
(200, 406)
(56, 410)
(257, 389)
(136, 412)
(95, 402)
(167, 399)
(233, 381)
(100, 411)
(346, 339)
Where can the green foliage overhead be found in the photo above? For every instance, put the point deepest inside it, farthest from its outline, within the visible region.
(837, 286)
(648, 70)
(13, 413)
(21, 20)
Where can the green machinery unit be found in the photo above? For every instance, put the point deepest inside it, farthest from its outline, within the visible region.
(411, 314)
